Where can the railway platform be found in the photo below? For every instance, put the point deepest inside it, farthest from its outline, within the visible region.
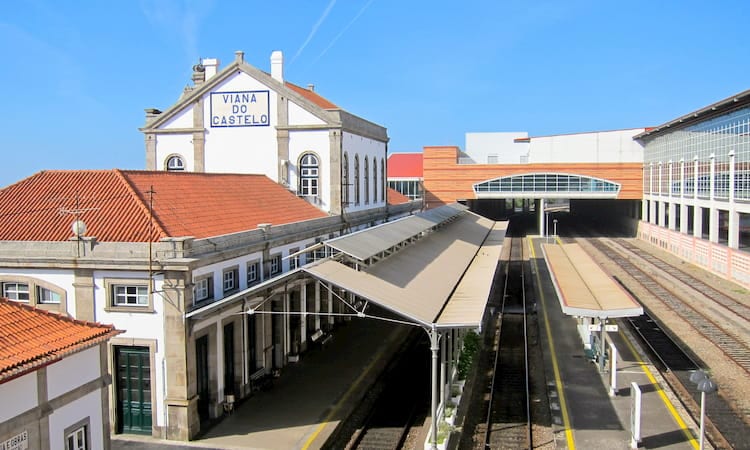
(308, 400)
(585, 415)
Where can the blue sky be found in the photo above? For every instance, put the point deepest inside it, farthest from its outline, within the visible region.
(77, 75)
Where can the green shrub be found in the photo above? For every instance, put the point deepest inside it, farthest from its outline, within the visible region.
(471, 346)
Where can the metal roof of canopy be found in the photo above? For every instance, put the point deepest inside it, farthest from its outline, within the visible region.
(443, 279)
(367, 243)
(583, 288)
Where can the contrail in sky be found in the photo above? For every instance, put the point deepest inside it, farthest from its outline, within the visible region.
(341, 33)
(314, 29)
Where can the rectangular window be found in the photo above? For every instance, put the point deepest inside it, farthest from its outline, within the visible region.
(230, 279)
(44, 295)
(275, 264)
(130, 295)
(203, 289)
(253, 273)
(294, 260)
(16, 291)
(76, 440)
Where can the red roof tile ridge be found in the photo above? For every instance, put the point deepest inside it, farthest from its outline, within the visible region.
(158, 227)
(312, 96)
(56, 315)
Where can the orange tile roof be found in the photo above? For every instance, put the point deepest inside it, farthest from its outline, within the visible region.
(114, 204)
(405, 165)
(396, 198)
(31, 338)
(311, 95)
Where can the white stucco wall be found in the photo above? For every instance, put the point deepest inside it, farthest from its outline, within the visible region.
(316, 142)
(599, 147)
(299, 116)
(60, 278)
(18, 396)
(183, 119)
(174, 144)
(364, 147)
(245, 149)
(480, 146)
(68, 374)
(137, 325)
(89, 406)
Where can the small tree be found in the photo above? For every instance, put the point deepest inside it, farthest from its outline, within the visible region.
(471, 345)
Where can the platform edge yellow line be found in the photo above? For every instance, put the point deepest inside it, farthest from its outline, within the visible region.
(555, 368)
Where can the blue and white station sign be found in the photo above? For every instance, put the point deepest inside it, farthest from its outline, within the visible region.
(240, 109)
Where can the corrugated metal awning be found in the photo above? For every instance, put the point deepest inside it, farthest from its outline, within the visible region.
(583, 288)
(419, 281)
(370, 242)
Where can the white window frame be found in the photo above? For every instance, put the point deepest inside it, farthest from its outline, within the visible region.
(253, 272)
(179, 167)
(230, 279)
(203, 285)
(16, 291)
(366, 172)
(309, 172)
(78, 435)
(138, 292)
(55, 299)
(274, 264)
(356, 180)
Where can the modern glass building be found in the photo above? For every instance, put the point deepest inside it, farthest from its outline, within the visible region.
(696, 183)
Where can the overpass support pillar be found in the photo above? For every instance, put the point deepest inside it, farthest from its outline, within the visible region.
(542, 218)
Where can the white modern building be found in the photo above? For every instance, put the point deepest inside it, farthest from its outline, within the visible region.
(615, 146)
(696, 187)
(53, 380)
(239, 119)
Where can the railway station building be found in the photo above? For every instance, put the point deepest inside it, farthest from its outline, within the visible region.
(240, 119)
(249, 174)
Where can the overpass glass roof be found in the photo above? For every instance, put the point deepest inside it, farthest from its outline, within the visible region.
(547, 185)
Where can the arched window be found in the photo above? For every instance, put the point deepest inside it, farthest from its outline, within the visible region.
(175, 163)
(366, 173)
(308, 175)
(382, 180)
(356, 179)
(374, 180)
(345, 180)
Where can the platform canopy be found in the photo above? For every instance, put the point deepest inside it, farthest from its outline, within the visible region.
(443, 279)
(583, 288)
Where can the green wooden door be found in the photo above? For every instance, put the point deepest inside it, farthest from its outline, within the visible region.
(133, 389)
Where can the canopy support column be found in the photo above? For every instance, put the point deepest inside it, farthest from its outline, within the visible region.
(435, 347)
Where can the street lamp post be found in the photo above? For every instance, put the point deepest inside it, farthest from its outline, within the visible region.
(554, 225)
(705, 386)
(546, 225)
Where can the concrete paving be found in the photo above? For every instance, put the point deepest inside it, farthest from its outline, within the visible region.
(309, 399)
(596, 419)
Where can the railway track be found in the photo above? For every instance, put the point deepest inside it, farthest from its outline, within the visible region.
(508, 419)
(731, 304)
(725, 428)
(386, 416)
(729, 344)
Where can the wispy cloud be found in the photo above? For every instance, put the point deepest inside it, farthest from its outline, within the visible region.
(314, 29)
(343, 30)
(180, 18)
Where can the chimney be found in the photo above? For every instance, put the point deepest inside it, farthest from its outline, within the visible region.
(199, 74)
(277, 66)
(239, 56)
(311, 87)
(211, 65)
(151, 113)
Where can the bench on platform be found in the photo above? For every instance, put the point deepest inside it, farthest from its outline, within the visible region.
(260, 380)
(321, 338)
